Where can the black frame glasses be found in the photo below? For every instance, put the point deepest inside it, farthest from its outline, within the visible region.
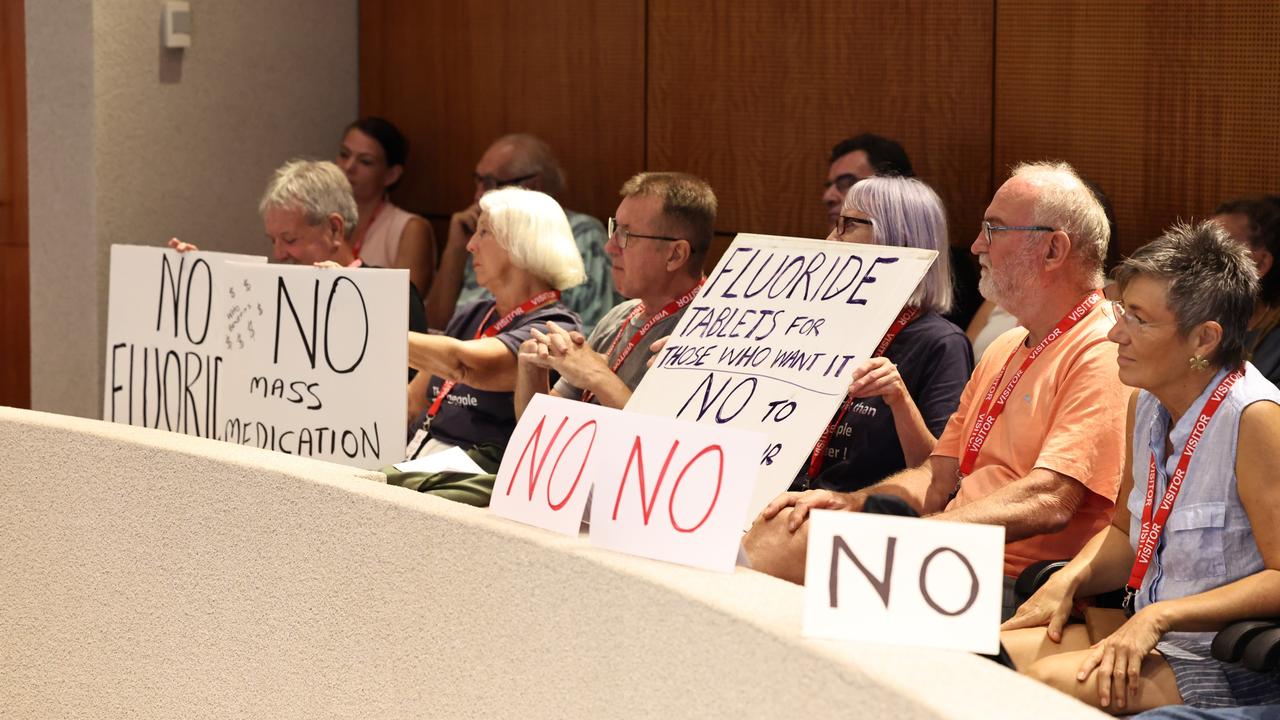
(489, 182)
(843, 223)
(624, 235)
(988, 228)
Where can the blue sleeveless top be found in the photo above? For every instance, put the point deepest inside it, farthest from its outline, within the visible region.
(1207, 541)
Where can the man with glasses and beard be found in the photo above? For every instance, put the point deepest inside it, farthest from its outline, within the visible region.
(525, 161)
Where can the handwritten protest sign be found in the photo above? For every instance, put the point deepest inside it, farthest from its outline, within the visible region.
(771, 340)
(673, 491)
(904, 581)
(317, 361)
(166, 363)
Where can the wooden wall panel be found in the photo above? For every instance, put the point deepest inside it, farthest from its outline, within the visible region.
(1171, 109)
(456, 75)
(15, 300)
(752, 94)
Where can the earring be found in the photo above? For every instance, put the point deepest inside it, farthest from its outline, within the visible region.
(1197, 363)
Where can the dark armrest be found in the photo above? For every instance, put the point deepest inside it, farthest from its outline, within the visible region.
(1252, 643)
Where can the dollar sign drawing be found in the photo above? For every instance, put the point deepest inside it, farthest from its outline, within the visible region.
(232, 291)
(247, 286)
(259, 309)
(228, 342)
(240, 340)
(251, 333)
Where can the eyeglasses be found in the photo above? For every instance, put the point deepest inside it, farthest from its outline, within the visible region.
(624, 235)
(1132, 321)
(988, 228)
(844, 223)
(842, 182)
(489, 182)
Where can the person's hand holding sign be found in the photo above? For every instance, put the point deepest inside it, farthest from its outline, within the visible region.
(878, 377)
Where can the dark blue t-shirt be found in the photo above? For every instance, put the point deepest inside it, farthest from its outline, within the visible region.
(469, 416)
(935, 361)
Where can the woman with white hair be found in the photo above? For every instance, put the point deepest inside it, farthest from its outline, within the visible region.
(900, 400)
(524, 254)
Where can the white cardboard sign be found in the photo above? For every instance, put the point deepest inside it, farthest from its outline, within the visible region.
(317, 361)
(166, 360)
(904, 581)
(772, 338)
(673, 491)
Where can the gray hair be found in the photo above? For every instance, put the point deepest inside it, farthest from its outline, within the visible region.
(906, 212)
(534, 155)
(533, 229)
(316, 187)
(1210, 278)
(1065, 202)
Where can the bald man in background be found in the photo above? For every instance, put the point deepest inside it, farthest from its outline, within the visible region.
(526, 161)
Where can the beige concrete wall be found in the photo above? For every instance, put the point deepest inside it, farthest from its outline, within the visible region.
(153, 575)
(131, 143)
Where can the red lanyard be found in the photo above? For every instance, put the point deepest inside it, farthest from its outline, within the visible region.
(667, 311)
(1152, 527)
(990, 410)
(359, 242)
(816, 459)
(537, 301)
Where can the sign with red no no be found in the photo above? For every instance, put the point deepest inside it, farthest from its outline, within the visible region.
(664, 489)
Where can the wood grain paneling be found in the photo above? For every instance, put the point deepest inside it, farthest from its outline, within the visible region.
(1170, 110)
(15, 301)
(456, 75)
(752, 94)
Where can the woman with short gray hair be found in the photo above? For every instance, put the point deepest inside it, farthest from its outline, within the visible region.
(524, 254)
(899, 401)
(1197, 545)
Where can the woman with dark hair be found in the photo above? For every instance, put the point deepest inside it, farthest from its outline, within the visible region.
(1255, 223)
(373, 154)
(1197, 544)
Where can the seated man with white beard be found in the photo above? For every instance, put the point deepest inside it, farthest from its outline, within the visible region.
(1037, 443)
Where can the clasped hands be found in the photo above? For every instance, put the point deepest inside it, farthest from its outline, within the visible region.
(564, 351)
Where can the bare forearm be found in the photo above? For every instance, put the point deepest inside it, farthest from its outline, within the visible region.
(530, 380)
(609, 389)
(1102, 565)
(913, 434)
(1255, 596)
(436, 355)
(911, 485)
(1043, 502)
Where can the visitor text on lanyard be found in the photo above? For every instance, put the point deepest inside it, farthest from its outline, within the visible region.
(1154, 518)
(667, 311)
(991, 408)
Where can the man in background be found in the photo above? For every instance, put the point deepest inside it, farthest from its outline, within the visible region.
(526, 161)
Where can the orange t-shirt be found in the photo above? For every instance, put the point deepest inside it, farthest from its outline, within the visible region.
(1067, 414)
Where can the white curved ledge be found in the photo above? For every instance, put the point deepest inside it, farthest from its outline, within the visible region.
(154, 575)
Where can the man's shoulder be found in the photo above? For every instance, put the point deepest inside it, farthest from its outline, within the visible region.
(614, 318)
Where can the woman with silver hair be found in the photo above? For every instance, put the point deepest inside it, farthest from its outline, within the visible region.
(524, 254)
(1197, 545)
(900, 400)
